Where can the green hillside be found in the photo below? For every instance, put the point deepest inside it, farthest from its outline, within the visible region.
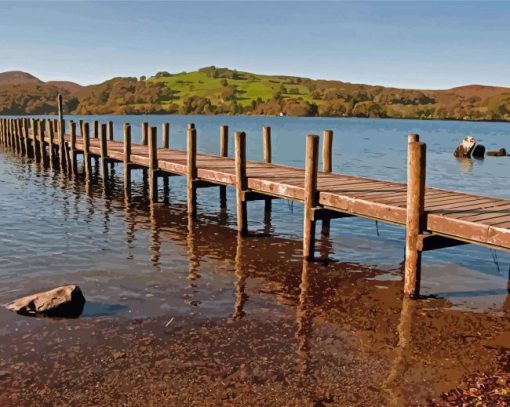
(212, 90)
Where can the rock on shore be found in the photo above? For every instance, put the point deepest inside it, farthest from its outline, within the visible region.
(63, 302)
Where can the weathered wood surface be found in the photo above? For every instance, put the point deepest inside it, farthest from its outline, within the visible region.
(469, 217)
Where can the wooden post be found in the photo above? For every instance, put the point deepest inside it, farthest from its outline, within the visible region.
(96, 129)
(166, 135)
(73, 164)
(192, 170)
(37, 149)
(327, 165)
(110, 130)
(166, 144)
(223, 153)
(327, 151)
(241, 182)
(311, 196)
(51, 146)
(266, 138)
(42, 147)
(266, 147)
(153, 164)
(28, 143)
(16, 136)
(416, 163)
(86, 148)
(61, 134)
(21, 142)
(127, 159)
(145, 133)
(104, 153)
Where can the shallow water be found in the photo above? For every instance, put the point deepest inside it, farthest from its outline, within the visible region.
(134, 260)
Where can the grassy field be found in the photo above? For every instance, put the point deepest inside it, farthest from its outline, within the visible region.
(250, 87)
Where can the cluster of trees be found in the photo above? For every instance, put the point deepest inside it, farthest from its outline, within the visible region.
(33, 98)
(288, 95)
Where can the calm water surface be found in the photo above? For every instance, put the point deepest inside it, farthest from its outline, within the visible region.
(134, 260)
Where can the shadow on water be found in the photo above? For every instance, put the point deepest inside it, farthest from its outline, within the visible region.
(98, 309)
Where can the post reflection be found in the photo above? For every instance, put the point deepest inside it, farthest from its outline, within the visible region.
(240, 284)
(393, 385)
(304, 319)
(130, 227)
(155, 243)
(194, 262)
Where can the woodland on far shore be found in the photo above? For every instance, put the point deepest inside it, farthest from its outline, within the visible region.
(213, 90)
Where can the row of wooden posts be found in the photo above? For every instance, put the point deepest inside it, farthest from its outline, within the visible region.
(15, 134)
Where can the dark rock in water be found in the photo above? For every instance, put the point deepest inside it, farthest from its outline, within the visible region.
(62, 302)
(465, 149)
(497, 153)
(478, 151)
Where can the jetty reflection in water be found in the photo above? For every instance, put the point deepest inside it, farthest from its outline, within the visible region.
(349, 319)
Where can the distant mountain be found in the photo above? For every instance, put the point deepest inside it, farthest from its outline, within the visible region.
(71, 87)
(213, 90)
(17, 77)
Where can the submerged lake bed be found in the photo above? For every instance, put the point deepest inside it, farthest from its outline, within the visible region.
(174, 302)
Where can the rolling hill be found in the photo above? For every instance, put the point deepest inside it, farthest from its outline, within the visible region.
(213, 90)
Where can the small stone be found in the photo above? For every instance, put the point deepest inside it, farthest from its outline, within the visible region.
(64, 302)
(119, 355)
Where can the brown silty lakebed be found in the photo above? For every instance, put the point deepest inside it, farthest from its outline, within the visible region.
(214, 319)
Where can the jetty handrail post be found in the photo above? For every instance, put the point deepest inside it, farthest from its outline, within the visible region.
(416, 169)
(266, 144)
(127, 159)
(61, 134)
(28, 144)
(37, 149)
(311, 195)
(96, 129)
(153, 164)
(145, 133)
(104, 152)
(241, 182)
(73, 164)
(223, 153)
(266, 141)
(327, 151)
(327, 167)
(191, 170)
(166, 135)
(41, 131)
(86, 148)
(21, 137)
(110, 130)
(17, 137)
(51, 146)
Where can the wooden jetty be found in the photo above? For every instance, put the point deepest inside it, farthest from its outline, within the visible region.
(434, 218)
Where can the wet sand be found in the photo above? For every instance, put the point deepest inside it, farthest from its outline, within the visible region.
(184, 312)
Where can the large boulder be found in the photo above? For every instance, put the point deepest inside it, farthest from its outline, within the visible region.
(465, 149)
(63, 302)
(497, 153)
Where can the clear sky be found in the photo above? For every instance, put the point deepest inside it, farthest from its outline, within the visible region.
(404, 44)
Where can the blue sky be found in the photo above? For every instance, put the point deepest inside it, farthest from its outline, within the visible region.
(402, 44)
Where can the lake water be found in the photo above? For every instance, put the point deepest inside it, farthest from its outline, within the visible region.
(134, 261)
